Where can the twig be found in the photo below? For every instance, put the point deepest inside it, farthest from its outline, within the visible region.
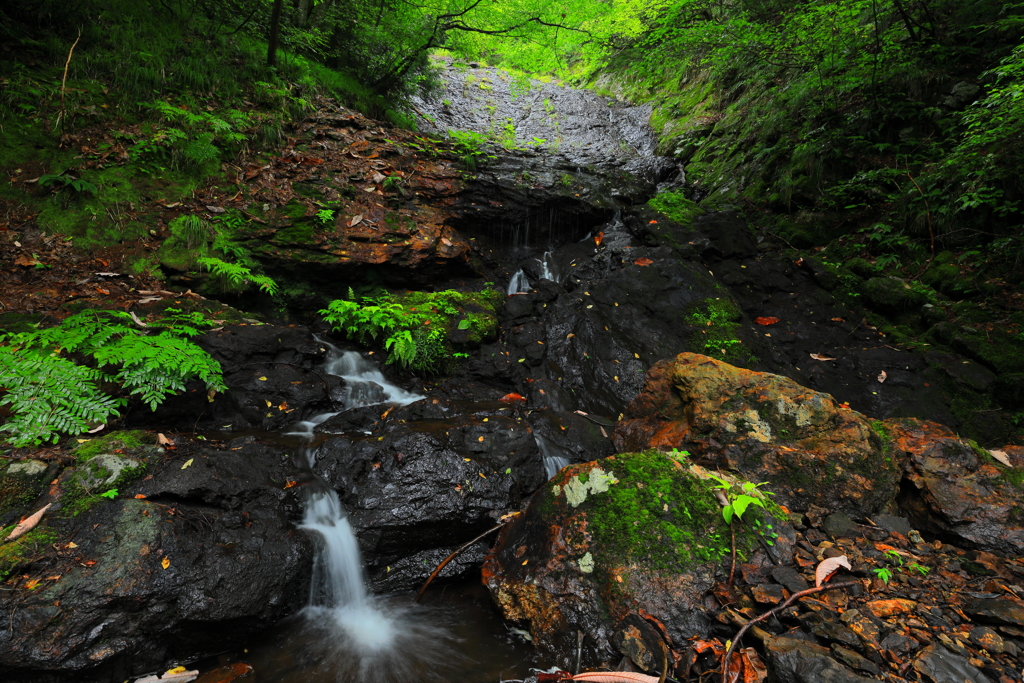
(664, 662)
(792, 598)
(63, 81)
(452, 556)
(732, 567)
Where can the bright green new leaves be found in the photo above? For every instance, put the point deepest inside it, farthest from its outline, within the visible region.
(739, 502)
(54, 377)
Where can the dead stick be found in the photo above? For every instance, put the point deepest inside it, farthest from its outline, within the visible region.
(64, 80)
(452, 556)
(792, 598)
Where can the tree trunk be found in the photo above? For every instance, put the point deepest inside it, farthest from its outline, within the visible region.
(275, 32)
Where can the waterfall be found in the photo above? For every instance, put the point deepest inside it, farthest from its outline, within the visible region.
(555, 458)
(518, 284)
(358, 637)
(548, 271)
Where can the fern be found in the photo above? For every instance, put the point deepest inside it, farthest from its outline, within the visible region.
(402, 348)
(49, 393)
(238, 275)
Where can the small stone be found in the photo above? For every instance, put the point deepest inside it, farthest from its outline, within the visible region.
(854, 660)
(768, 593)
(836, 632)
(839, 525)
(900, 645)
(942, 666)
(986, 638)
(887, 608)
(790, 578)
(892, 523)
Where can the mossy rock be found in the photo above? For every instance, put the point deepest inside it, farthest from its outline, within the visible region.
(21, 482)
(892, 294)
(31, 547)
(862, 267)
(114, 442)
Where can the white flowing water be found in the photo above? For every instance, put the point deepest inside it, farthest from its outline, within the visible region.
(519, 284)
(548, 271)
(353, 636)
(555, 458)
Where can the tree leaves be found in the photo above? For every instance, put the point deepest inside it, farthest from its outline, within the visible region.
(829, 567)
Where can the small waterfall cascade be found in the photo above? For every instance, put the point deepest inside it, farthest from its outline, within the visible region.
(555, 458)
(519, 284)
(359, 636)
(548, 269)
(365, 385)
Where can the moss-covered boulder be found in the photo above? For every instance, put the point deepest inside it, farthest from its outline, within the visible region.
(21, 482)
(893, 295)
(631, 534)
(768, 428)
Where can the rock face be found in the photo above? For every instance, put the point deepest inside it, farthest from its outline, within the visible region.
(956, 489)
(768, 428)
(632, 534)
(183, 561)
(816, 452)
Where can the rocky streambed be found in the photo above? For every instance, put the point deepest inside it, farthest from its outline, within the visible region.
(635, 359)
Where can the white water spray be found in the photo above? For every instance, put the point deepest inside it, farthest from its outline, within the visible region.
(519, 283)
(554, 457)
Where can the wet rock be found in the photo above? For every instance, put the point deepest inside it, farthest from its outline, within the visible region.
(997, 610)
(21, 483)
(892, 523)
(957, 490)
(26, 468)
(790, 578)
(769, 429)
(606, 539)
(940, 665)
(839, 524)
(986, 638)
(204, 557)
(892, 294)
(274, 378)
(854, 660)
(796, 661)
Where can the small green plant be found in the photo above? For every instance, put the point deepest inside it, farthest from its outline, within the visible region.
(884, 573)
(325, 215)
(192, 229)
(112, 493)
(919, 568)
(894, 558)
(67, 182)
(469, 145)
(393, 183)
(738, 503)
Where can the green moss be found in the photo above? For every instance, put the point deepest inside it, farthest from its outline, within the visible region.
(77, 499)
(30, 547)
(717, 323)
(111, 443)
(893, 294)
(18, 491)
(675, 206)
(657, 513)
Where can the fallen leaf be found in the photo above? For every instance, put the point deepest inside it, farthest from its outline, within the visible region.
(95, 429)
(26, 261)
(176, 677)
(215, 209)
(838, 320)
(1002, 457)
(643, 261)
(187, 463)
(32, 584)
(290, 483)
(71, 544)
(26, 525)
(165, 563)
(754, 670)
(818, 356)
(140, 496)
(766, 321)
(355, 220)
(829, 567)
(882, 376)
(379, 177)
(614, 677)
(512, 397)
(598, 238)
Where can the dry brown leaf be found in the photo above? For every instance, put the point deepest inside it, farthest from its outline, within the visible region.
(165, 563)
(355, 220)
(162, 440)
(615, 677)
(379, 177)
(1002, 457)
(171, 676)
(754, 670)
(643, 261)
(882, 376)
(26, 261)
(829, 567)
(28, 523)
(819, 356)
